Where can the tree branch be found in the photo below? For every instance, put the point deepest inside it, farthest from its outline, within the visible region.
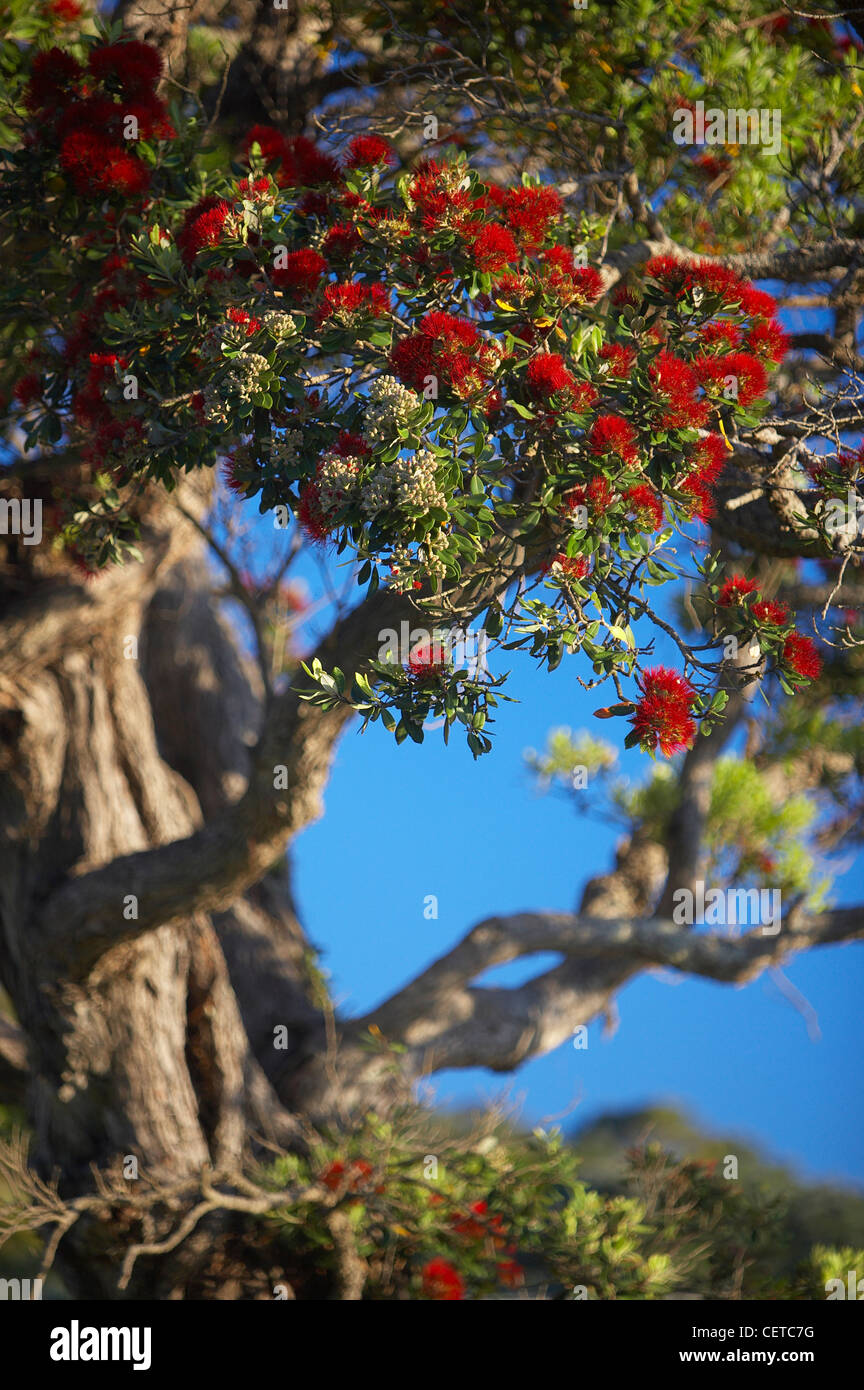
(208, 870)
(447, 1022)
(14, 1067)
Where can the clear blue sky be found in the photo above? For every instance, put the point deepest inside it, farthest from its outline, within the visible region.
(405, 822)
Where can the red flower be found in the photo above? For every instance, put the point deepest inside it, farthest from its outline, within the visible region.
(152, 116)
(436, 194)
(411, 360)
(53, 75)
(427, 660)
(711, 166)
(136, 66)
(349, 445)
(571, 566)
(452, 332)
(479, 1222)
(680, 278)
(676, 383)
(305, 166)
(702, 504)
(720, 331)
(354, 298)
(735, 590)
(572, 284)
(28, 390)
(272, 142)
(708, 458)
(768, 340)
(620, 358)
(301, 272)
(66, 11)
(446, 347)
(510, 1274)
(251, 188)
(662, 716)
(335, 1175)
(341, 241)
(442, 1282)
(719, 280)
(547, 375)
(774, 614)
(673, 275)
(365, 151)
(746, 372)
(597, 496)
(529, 212)
(758, 304)
(98, 115)
(232, 477)
(489, 246)
(96, 166)
(311, 514)
(647, 505)
(801, 656)
(611, 434)
(203, 226)
(844, 466)
(243, 320)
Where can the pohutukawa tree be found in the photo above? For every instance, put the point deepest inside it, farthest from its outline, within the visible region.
(522, 409)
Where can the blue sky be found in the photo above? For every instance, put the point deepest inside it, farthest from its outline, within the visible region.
(405, 822)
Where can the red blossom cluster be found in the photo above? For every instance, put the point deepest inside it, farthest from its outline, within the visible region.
(707, 460)
(336, 1175)
(613, 436)
(93, 116)
(300, 272)
(449, 350)
(677, 384)
(570, 283)
(427, 660)
(799, 652)
(297, 162)
(735, 590)
(663, 715)
(204, 226)
(801, 656)
(845, 467)
(353, 302)
(528, 213)
(247, 322)
(369, 152)
(595, 496)
(621, 359)
(442, 1281)
(547, 376)
(571, 566)
(313, 513)
(646, 505)
(65, 11)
